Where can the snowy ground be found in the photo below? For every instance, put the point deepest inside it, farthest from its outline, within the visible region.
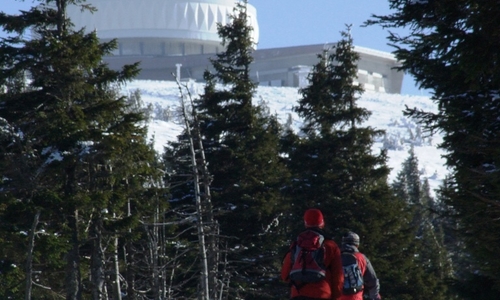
(386, 114)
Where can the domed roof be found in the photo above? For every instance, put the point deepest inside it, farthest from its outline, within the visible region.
(164, 19)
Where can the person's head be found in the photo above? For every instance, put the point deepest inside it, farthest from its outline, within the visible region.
(350, 238)
(314, 218)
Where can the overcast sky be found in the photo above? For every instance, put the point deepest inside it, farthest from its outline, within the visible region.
(284, 23)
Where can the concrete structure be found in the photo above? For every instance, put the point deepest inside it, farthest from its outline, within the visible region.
(289, 67)
(160, 27)
(177, 37)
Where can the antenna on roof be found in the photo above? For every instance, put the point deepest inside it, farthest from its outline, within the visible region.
(178, 74)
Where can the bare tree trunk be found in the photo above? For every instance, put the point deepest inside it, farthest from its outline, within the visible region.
(172, 274)
(129, 262)
(205, 289)
(163, 259)
(73, 276)
(209, 222)
(29, 258)
(155, 258)
(117, 293)
(97, 261)
(130, 275)
(212, 233)
(225, 277)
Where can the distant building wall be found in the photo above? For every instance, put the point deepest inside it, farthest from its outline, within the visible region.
(287, 66)
(160, 27)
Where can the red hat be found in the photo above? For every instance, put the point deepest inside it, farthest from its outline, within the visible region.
(314, 218)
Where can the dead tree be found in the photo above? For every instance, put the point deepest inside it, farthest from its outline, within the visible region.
(206, 225)
(29, 259)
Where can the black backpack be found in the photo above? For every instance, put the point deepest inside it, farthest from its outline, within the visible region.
(308, 255)
(353, 278)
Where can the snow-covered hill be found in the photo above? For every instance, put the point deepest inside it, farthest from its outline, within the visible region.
(386, 109)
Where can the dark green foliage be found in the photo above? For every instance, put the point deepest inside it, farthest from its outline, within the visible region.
(335, 170)
(241, 142)
(74, 149)
(246, 167)
(334, 158)
(463, 282)
(452, 49)
(71, 149)
(431, 255)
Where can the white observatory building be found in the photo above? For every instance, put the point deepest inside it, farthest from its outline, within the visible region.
(161, 34)
(160, 27)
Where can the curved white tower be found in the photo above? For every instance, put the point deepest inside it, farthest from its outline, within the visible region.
(160, 27)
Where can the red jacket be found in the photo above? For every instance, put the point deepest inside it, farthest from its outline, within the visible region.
(331, 287)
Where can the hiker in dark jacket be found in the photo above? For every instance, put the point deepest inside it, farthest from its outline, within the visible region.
(371, 286)
(331, 287)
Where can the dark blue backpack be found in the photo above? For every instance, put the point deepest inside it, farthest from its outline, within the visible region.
(353, 277)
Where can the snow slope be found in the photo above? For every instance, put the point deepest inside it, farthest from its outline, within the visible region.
(386, 109)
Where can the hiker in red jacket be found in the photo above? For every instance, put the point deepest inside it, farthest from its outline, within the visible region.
(331, 286)
(371, 287)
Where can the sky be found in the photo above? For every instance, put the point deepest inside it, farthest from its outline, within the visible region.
(387, 114)
(284, 23)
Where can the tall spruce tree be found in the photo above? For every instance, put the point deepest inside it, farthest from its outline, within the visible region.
(452, 50)
(431, 255)
(335, 169)
(407, 186)
(71, 151)
(241, 142)
(465, 282)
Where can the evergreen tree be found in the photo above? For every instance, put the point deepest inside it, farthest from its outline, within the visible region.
(431, 255)
(464, 280)
(407, 186)
(442, 52)
(70, 152)
(335, 170)
(241, 142)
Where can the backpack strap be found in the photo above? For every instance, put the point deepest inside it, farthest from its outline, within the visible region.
(361, 261)
(297, 286)
(292, 282)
